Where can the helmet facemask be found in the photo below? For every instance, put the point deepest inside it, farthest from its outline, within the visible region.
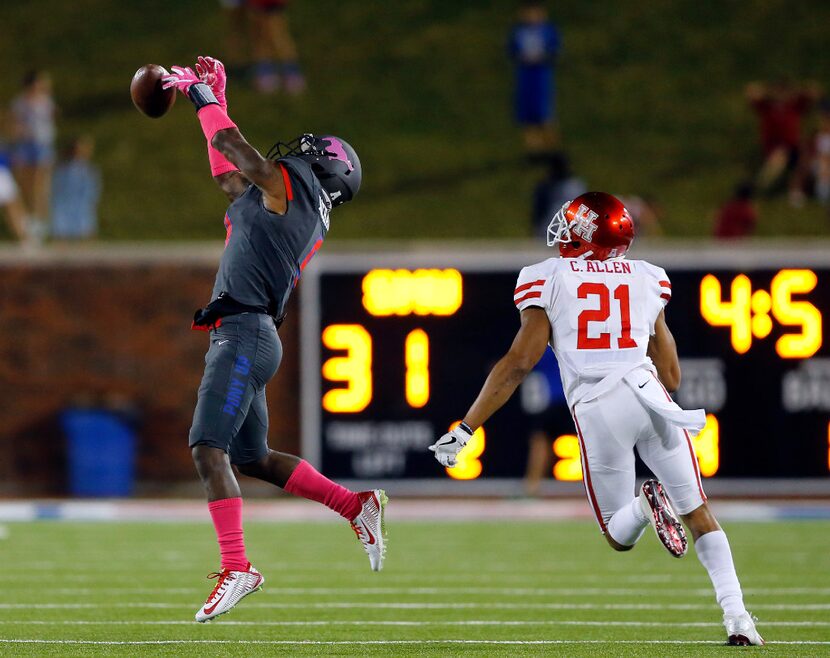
(306, 144)
(559, 233)
(559, 230)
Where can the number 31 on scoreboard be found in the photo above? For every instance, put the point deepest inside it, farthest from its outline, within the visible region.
(355, 368)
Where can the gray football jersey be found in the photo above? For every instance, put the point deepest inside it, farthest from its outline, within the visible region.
(265, 252)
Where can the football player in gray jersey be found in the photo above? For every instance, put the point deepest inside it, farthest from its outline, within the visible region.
(277, 220)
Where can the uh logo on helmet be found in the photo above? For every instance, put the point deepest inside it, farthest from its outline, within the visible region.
(594, 226)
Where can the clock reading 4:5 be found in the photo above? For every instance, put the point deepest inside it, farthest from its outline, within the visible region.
(747, 313)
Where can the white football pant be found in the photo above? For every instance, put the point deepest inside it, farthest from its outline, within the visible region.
(610, 427)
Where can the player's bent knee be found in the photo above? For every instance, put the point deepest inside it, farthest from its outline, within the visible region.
(205, 456)
(700, 515)
(252, 469)
(616, 545)
(245, 469)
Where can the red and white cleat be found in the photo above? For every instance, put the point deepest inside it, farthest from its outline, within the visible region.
(231, 588)
(741, 632)
(663, 519)
(368, 526)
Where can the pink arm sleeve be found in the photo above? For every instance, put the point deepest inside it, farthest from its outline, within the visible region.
(213, 119)
(219, 164)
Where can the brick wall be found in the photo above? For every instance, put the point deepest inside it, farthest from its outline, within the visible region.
(112, 330)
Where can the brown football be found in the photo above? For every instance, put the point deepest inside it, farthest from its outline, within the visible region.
(147, 94)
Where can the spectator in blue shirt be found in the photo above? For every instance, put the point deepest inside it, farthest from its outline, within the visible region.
(76, 188)
(534, 46)
(543, 400)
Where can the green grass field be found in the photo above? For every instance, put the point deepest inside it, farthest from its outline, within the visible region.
(483, 589)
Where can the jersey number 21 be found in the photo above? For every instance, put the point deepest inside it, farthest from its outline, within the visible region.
(601, 314)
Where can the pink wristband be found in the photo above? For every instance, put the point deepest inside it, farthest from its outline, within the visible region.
(214, 118)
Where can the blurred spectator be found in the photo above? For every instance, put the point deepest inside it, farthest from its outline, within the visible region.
(645, 213)
(274, 51)
(10, 198)
(814, 168)
(821, 158)
(33, 145)
(737, 217)
(543, 400)
(75, 193)
(236, 55)
(557, 188)
(534, 46)
(780, 107)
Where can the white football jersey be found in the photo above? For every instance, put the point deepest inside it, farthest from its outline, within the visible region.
(602, 314)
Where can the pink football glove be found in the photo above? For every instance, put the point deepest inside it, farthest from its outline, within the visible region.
(181, 78)
(212, 72)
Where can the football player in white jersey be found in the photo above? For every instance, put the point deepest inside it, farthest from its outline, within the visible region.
(603, 316)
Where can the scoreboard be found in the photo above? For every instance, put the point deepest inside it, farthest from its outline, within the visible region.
(395, 347)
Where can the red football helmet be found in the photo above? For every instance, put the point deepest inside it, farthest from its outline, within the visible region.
(594, 226)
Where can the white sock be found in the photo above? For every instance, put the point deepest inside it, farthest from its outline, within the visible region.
(714, 554)
(628, 523)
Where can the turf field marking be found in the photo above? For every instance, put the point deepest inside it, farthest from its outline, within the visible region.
(29, 574)
(504, 591)
(382, 642)
(84, 573)
(419, 606)
(375, 622)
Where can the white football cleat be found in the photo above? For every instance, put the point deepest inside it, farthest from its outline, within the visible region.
(741, 632)
(663, 519)
(368, 526)
(231, 588)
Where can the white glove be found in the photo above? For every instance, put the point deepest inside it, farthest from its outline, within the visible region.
(446, 448)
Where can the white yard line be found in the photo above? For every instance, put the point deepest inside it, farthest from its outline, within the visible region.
(44, 580)
(406, 605)
(416, 591)
(91, 575)
(382, 642)
(404, 510)
(375, 622)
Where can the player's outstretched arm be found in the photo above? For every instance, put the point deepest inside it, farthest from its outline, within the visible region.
(663, 352)
(261, 172)
(233, 161)
(528, 347)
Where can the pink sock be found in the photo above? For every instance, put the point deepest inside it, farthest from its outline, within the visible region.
(227, 519)
(305, 481)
